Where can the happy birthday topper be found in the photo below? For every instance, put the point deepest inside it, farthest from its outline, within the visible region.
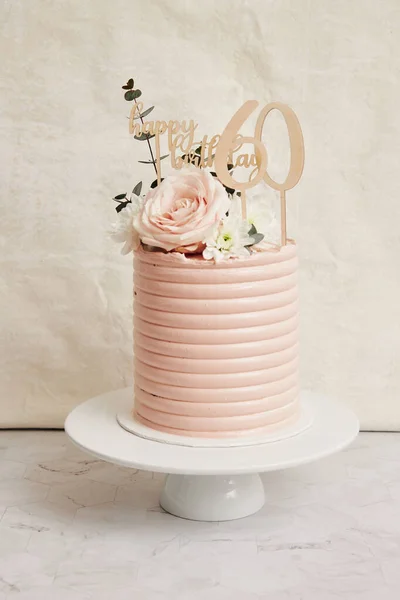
(222, 152)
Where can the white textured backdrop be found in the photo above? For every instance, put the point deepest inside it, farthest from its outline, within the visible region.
(65, 290)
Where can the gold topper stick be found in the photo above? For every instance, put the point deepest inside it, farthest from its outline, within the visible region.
(296, 156)
(227, 144)
(158, 154)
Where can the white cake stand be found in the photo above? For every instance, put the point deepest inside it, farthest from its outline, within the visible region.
(208, 484)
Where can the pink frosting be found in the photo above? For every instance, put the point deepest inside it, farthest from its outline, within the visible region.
(216, 345)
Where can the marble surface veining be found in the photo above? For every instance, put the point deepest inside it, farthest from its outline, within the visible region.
(76, 528)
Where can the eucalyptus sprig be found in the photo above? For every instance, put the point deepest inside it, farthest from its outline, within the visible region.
(253, 233)
(132, 94)
(123, 200)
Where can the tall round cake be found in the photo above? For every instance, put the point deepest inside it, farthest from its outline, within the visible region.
(216, 344)
(215, 282)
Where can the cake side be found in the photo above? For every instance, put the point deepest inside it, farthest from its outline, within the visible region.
(216, 344)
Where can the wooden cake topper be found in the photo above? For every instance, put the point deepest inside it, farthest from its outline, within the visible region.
(222, 151)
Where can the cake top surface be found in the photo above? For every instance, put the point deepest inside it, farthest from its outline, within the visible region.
(264, 255)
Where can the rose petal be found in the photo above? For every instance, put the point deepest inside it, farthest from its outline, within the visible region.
(182, 210)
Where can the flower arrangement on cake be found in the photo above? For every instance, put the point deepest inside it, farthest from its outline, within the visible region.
(190, 211)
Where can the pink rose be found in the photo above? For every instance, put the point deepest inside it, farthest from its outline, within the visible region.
(181, 212)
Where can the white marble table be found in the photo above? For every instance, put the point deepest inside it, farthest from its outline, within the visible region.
(76, 528)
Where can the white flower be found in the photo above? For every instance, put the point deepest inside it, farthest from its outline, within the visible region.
(230, 238)
(123, 230)
(263, 218)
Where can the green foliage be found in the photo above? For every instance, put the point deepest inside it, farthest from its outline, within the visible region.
(143, 137)
(230, 191)
(152, 162)
(132, 95)
(145, 113)
(137, 189)
(129, 85)
(122, 201)
(122, 205)
(253, 233)
(257, 237)
(155, 183)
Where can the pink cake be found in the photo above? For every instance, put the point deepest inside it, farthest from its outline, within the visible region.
(216, 344)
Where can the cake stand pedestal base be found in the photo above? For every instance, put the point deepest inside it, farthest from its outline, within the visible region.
(212, 497)
(203, 483)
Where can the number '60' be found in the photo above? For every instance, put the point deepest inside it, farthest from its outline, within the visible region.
(227, 143)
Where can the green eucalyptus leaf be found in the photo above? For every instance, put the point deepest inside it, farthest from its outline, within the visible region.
(194, 158)
(252, 230)
(143, 136)
(122, 205)
(145, 112)
(155, 183)
(229, 190)
(128, 85)
(137, 189)
(129, 96)
(152, 162)
(120, 196)
(132, 95)
(257, 237)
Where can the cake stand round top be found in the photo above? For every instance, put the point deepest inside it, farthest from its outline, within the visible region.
(93, 427)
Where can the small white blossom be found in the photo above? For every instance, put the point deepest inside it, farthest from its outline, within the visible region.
(123, 230)
(263, 219)
(230, 238)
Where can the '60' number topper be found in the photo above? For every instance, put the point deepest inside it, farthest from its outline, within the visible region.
(222, 152)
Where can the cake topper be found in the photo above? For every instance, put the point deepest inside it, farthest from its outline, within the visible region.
(219, 153)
